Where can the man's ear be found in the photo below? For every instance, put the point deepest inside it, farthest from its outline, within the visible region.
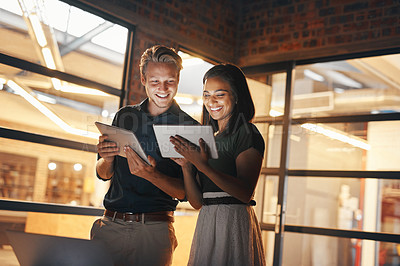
(143, 79)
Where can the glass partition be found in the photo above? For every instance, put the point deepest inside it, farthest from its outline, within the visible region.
(63, 37)
(348, 87)
(344, 203)
(315, 250)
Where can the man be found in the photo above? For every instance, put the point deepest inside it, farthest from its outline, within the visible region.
(137, 223)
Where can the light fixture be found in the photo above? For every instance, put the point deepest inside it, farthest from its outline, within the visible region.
(343, 79)
(48, 58)
(338, 135)
(48, 113)
(2, 82)
(45, 98)
(313, 75)
(81, 90)
(56, 83)
(77, 167)
(38, 30)
(52, 166)
(338, 90)
(104, 113)
(275, 113)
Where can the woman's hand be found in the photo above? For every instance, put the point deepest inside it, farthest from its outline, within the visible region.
(191, 152)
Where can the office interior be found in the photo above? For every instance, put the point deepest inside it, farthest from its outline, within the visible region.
(324, 77)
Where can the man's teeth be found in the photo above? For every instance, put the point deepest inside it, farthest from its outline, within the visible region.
(216, 109)
(162, 95)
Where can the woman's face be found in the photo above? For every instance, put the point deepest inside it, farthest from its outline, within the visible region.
(218, 99)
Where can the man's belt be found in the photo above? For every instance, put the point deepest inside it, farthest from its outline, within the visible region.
(167, 216)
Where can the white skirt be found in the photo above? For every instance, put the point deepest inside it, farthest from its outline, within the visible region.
(226, 235)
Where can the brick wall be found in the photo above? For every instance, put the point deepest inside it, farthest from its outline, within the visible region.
(254, 32)
(205, 27)
(280, 30)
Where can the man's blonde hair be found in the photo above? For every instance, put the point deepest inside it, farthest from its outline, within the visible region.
(160, 54)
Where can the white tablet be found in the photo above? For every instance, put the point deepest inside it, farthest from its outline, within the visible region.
(190, 132)
(122, 137)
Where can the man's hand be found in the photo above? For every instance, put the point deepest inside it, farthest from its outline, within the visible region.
(107, 149)
(139, 167)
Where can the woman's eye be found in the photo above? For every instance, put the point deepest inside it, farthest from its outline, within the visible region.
(220, 95)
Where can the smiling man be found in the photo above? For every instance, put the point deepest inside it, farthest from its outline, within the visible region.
(137, 223)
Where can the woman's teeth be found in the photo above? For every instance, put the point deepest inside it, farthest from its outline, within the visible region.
(216, 109)
(162, 95)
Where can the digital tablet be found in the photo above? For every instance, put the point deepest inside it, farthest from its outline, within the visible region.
(122, 137)
(190, 132)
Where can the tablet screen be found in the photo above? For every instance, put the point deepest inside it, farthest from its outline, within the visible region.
(122, 137)
(190, 132)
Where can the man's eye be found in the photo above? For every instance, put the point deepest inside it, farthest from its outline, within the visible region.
(221, 95)
(154, 81)
(206, 95)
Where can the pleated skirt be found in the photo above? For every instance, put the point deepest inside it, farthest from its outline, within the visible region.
(227, 235)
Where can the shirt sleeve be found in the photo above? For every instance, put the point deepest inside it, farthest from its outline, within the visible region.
(248, 137)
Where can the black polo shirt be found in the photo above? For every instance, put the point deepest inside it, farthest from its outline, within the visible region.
(128, 192)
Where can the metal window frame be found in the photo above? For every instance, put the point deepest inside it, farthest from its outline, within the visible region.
(15, 205)
(283, 172)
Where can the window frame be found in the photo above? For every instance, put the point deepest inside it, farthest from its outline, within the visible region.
(16, 205)
(284, 173)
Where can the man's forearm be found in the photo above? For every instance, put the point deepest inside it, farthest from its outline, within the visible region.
(172, 186)
(105, 169)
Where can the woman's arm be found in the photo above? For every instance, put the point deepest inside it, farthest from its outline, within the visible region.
(192, 189)
(248, 166)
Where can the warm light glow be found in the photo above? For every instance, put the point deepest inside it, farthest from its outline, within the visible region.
(192, 62)
(81, 90)
(77, 167)
(313, 75)
(52, 166)
(56, 83)
(48, 58)
(52, 116)
(38, 30)
(104, 113)
(275, 113)
(338, 135)
(183, 100)
(343, 79)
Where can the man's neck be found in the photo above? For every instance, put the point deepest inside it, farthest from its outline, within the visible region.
(155, 110)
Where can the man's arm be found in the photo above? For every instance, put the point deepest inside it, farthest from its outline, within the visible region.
(172, 186)
(107, 151)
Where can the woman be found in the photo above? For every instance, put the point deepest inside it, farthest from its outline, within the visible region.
(227, 230)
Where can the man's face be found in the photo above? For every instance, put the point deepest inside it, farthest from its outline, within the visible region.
(161, 83)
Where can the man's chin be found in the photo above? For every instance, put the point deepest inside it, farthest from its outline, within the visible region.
(163, 104)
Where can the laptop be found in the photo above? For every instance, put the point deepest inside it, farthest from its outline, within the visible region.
(44, 250)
